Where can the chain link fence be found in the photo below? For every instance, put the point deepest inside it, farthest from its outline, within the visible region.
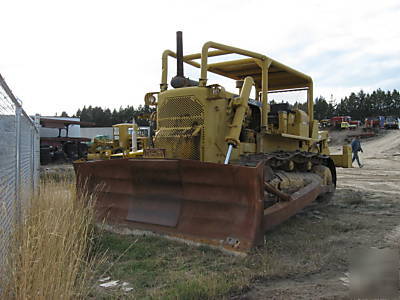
(19, 163)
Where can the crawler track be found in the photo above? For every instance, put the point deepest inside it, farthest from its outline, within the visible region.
(280, 160)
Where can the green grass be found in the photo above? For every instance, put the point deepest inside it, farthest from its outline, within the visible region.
(160, 268)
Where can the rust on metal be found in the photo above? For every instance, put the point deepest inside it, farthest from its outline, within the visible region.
(220, 205)
(282, 211)
(209, 203)
(270, 188)
(61, 123)
(154, 153)
(64, 139)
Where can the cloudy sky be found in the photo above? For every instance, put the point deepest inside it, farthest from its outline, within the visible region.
(60, 55)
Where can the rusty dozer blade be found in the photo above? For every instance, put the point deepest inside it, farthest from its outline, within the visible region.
(220, 205)
(208, 203)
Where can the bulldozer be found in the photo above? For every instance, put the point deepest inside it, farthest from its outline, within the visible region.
(222, 167)
(128, 140)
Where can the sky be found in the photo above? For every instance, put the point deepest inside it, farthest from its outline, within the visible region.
(61, 55)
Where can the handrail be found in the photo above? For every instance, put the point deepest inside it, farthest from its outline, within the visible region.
(265, 63)
(204, 57)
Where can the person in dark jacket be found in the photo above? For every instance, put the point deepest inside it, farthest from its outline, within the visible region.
(355, 148)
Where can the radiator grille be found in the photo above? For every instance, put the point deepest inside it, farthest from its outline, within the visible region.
(180, 112)
(178, 119)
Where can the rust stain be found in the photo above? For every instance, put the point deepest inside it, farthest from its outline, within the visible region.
(219, 205)
(212, 203)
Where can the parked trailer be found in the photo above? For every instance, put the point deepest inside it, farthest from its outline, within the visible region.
(61, 148)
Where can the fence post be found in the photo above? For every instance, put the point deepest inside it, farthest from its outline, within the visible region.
(36, 169)
(18, 111)
(32, 160)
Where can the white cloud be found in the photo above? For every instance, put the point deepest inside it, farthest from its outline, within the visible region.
(61, 55)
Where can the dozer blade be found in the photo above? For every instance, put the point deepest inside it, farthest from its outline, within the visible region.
(220, 205)
(207, 203)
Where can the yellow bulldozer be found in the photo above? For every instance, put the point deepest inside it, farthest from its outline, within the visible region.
(222, 167)
(128, 140)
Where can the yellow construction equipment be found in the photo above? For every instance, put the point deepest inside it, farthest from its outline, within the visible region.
(126, 142)
(222, 167)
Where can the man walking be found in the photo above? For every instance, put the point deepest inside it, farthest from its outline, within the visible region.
(355, 148)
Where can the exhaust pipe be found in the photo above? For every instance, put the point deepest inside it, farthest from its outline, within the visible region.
(179, 80)
(179, 54)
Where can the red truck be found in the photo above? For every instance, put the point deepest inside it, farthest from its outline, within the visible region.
(375, 122)
(338, 120)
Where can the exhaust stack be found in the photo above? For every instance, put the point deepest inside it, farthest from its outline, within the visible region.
(179, 54)
(180, 80)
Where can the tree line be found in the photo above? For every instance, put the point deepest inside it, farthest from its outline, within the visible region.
(107, 117)
(358, 106)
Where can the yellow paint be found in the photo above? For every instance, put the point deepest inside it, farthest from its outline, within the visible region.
(343, 160)
(199, 122)
(119, 146)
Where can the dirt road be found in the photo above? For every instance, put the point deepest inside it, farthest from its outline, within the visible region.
(381, 171)
(364, 213)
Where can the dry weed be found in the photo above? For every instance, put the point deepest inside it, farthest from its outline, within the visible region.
(50, 253)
